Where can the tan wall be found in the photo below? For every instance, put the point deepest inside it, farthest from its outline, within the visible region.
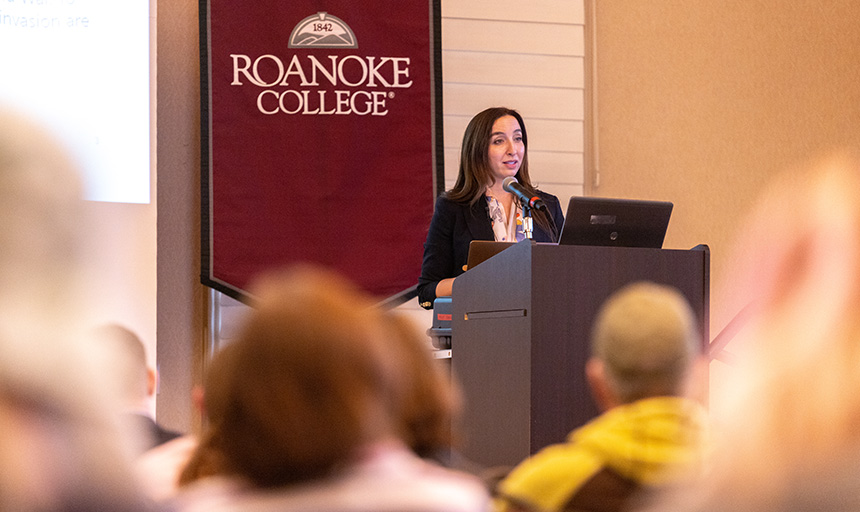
(702, 102)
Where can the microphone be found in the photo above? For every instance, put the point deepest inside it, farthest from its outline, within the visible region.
(510, 184)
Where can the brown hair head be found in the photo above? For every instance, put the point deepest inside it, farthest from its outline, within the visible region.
(430, 401)
(475, 174)
(308, 381)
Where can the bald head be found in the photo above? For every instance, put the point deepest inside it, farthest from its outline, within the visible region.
(126, 362)
(645, 336)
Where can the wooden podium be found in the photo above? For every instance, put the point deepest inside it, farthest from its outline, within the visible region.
(520, 337)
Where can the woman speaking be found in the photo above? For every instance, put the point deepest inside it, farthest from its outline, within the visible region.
(478, 207)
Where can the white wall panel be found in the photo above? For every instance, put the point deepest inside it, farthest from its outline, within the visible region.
(467, 99)
(559, 11)
(556, 166)
(527, 56)
(513, 37)
(555, 134)
(461, 66)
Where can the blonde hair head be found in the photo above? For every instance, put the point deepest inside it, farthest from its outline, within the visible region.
(645, 334)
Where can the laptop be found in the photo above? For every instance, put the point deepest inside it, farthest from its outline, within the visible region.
(482, 250)
(615, 222)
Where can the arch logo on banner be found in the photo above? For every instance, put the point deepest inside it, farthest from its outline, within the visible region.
(322, 31)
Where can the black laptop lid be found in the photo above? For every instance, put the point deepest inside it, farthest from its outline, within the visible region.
(615, 222)
(482, 250)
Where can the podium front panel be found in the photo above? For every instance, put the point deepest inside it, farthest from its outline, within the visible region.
(520, 337)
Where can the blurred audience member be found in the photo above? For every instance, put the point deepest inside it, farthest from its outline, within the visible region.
(60, 447)
(304, 412)
(789, 409)
(431, 401)
(136, 382)
(158, 469)
(645, 347)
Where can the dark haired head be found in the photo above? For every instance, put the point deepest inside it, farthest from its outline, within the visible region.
(475, 174)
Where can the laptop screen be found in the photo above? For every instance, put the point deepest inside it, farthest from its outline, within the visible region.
(482, 250)
(615, 222)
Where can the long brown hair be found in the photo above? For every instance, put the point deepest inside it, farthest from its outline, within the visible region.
(475, 173)
(431, 400)
(310, 379)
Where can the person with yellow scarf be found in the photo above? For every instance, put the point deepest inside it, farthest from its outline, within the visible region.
(645, 352)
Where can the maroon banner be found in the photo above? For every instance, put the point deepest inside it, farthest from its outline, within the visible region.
(322, 138)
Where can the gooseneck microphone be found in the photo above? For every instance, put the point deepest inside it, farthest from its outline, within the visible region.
(510, 184)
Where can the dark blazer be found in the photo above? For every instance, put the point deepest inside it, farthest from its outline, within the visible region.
(453, 227)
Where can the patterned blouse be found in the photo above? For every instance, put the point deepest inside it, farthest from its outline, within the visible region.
(506, 228)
